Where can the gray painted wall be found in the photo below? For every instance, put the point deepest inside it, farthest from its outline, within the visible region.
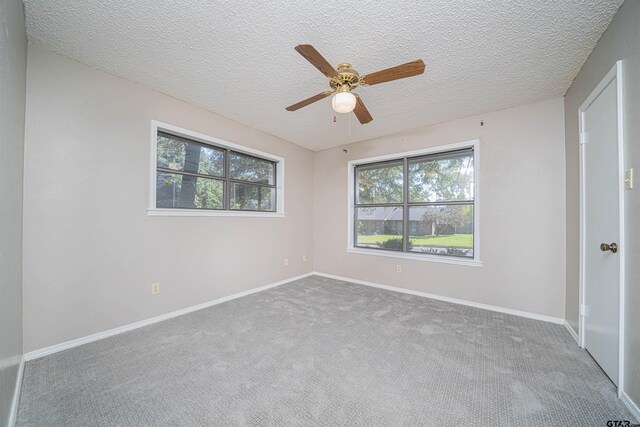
(522, 212)
(90, 250)
(621, 41)
(13, 62)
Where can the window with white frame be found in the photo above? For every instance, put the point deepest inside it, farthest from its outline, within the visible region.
(422, 204)
(195, 173)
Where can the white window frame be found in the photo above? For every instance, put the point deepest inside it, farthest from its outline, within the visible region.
(473, 262)
(152, 210)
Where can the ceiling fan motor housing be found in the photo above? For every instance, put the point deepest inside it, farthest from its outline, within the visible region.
(347, 78)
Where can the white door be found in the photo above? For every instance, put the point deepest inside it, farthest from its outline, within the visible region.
(601, 228)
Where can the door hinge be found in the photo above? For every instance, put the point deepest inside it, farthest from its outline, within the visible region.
(583, 137)
(583, 310)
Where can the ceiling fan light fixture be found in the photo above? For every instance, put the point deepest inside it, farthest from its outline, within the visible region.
(343, 102)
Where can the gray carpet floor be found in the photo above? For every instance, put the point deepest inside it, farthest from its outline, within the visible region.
(324, 352)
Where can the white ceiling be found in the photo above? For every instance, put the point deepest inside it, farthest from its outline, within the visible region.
(236, 57)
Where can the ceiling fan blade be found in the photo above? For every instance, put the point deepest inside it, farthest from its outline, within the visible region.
(409, 69)
(361, 111)
(308, 101)
(312, 55)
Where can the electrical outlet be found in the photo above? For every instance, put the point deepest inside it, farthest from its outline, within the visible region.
(155, 288)
(286, 262)
(628, 179)
(398, 268)
(304, 258)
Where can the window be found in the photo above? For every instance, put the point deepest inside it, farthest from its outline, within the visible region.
(418, 205)
(196, 174)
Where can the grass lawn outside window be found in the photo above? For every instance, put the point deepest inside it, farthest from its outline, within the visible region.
(451, 240)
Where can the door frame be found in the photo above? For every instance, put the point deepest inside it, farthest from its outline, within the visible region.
(614, 73)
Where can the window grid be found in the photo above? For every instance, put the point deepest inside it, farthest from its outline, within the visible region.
(406, 204)
(225, 178)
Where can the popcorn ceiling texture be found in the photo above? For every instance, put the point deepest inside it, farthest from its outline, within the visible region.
(236, 58)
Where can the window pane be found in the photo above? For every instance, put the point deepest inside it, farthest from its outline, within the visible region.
(189, 156)
(442, 178)
(441, 230)
(380, 227)
(188, 192)
(380, 183)
(249, 168)
(248, 197)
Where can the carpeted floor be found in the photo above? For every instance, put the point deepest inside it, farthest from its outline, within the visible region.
(324, 352)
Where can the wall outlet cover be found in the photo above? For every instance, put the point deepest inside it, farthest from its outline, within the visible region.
(628, 179)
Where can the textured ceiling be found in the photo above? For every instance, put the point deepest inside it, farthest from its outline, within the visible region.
(236, 58)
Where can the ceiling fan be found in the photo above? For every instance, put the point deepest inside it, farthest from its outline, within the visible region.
(344, 79)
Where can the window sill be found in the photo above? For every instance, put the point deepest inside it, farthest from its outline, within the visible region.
(192, 212)
(417, 257)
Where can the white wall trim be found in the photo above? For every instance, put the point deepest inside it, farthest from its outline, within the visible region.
(631, 405)
(416, 257)
(572, 332)
(206, 139)
(131, 326)
(542, 317)
(13, 415)
(614, 74)
(204, 212)
(475, 261)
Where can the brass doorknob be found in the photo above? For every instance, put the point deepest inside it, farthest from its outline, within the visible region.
(613, 247)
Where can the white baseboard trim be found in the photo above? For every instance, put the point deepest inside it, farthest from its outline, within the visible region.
(631, 405)
(513, 312)
(131, 326)
(572, 332)
(13, 415)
